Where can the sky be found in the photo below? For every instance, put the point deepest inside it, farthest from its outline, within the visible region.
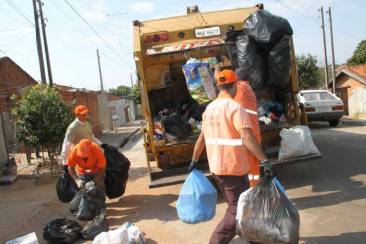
(72, 44)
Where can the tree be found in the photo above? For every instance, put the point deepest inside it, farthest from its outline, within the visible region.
(120, 91)
(308, 72)
(41, 119)
(359, 55)
(135, 93)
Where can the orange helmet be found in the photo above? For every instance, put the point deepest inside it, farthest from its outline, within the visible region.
(84, 148)
(81, 110)
(226, 76)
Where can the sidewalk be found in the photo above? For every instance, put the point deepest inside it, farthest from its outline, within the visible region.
(351, 121)
(120, 136)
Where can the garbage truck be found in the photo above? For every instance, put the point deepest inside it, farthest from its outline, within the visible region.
(161, 48)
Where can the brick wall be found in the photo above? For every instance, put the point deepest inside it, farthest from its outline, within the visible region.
(12, 80)
(87, 98)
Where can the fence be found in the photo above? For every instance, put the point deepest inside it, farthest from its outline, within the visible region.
(13, 147)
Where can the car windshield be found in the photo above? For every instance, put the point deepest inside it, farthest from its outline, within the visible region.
(318, 96)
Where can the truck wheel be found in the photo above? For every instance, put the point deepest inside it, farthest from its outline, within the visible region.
(334, 122)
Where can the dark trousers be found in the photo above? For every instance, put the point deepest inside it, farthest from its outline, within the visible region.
(230, 187)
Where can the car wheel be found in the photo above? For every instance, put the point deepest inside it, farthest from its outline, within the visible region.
(334, 122)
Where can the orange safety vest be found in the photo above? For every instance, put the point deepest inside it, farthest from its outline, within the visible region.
(245, 96)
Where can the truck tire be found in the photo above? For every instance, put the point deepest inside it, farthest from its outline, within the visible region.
(334, 122)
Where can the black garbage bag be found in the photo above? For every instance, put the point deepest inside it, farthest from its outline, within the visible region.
(95, 227)
(88, 202)
(266, 29)
(177, 126)
(279, 63)
(61, 231)
(116, 172)
(66, 187)
(266, 215)
(252, 61)
(230, 43)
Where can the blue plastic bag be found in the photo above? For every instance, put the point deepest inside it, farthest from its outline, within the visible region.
(197, 199)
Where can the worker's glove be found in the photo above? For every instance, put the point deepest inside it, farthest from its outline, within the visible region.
(193, 165)
(80, 183)
(266, 168)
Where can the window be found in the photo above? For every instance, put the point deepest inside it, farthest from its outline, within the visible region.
(319, 96)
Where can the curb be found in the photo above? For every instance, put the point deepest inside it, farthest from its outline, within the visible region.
(353, 122)
(126, 139)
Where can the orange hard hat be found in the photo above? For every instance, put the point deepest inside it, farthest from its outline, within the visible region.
(84, 148)
(226, 76)
(81, 110)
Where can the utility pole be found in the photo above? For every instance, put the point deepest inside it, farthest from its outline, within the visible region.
(332, 48)
(131, 80)
(325, 50)
(50, 79)
(100, 72)
(39, 44)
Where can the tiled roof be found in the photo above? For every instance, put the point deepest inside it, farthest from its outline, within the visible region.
(357, 72)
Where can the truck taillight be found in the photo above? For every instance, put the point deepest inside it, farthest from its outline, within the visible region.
(309, 109)
(157, 37)
(337, 107)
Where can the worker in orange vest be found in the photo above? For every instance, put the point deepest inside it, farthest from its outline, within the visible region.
(245, 96)
(86, 162)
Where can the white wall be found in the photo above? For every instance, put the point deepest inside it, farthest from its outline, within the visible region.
(357, 101)
(104, 117)
(119, 107)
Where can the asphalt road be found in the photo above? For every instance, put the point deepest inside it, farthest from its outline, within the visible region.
(330, 193)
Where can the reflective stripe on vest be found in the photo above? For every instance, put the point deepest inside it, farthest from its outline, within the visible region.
(251, 111)
(224, 141)
(253, 177)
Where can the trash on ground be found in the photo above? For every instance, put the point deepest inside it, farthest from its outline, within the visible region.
(94, 227)
(62, 231)
(296, 141)
(30, 238)
(88, 202)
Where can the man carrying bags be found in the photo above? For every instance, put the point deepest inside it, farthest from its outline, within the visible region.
(227, 133)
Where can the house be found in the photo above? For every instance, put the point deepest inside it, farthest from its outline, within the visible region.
(121, 109)
(12, 80)
(351, 88)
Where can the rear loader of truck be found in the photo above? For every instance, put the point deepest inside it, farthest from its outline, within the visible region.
(161, 48)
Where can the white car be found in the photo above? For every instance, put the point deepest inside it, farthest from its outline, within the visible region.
(321, 105)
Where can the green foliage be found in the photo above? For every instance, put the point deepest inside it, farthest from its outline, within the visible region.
(359, 55)
(120, 91)
(135, 93)
(308, 72)
(41, 117)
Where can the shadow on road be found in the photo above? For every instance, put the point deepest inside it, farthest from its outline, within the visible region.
(340, 174)
(356, 237)
(132, 142)
(134, 208)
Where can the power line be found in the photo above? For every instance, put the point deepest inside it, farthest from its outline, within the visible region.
(16, 28)
(96, 33)
(19, 12)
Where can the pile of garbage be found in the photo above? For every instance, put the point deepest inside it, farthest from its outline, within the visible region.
(173, 124)
(262, 52)
(262, 49)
